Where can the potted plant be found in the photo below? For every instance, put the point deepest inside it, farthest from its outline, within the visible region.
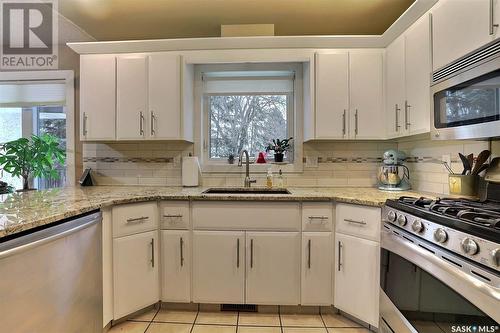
(280, 147)
(34, 157)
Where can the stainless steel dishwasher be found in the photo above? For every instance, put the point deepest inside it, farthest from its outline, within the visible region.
(51, 279)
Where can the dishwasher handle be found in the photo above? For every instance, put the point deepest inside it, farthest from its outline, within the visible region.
(76, 225)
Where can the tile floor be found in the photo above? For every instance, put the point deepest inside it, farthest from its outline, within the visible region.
(174, 321)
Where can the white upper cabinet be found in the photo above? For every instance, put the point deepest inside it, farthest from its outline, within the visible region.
(97, 97)
(408, 71)
(349, 95)
(418, 77)
(366, 95)
(332, 95)
(395, 86)
(165, 106)
(144, 96)
(461, 26)
(131, 97)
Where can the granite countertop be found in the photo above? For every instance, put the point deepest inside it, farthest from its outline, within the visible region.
(23, 211)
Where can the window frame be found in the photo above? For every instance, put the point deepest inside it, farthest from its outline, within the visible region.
(296, 165)
(206, 121)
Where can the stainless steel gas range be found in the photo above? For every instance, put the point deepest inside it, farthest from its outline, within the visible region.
(440, 266)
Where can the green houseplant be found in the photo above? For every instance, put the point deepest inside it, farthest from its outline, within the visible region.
(37, 156)
(280, 147)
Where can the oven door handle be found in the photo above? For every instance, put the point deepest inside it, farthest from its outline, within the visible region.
(476, 291)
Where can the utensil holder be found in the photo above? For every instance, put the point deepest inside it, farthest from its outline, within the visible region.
(463, 184)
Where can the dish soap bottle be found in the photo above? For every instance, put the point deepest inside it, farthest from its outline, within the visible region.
(280, 182)
(269, 178)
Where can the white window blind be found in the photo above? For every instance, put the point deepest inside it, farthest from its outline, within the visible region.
(32, 93)
(254, 82)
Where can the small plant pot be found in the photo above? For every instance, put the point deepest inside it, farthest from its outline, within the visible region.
(278, 157)
(463, 184)
(230, 160)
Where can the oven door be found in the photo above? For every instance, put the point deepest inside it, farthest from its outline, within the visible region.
(467, 105)
(421, 292)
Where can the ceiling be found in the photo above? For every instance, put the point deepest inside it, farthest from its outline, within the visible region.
(158, 19)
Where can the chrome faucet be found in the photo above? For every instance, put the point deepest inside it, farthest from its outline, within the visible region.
(248, 181)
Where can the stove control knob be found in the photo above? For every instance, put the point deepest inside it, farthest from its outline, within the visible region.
(391, 216)
(469, 246)
(495, 256)
(402, 220)
(440, 235)
(417, 226)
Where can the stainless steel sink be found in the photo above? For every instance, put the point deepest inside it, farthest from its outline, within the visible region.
(245, 190)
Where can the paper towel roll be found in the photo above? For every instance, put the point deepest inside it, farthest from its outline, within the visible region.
(190, 171)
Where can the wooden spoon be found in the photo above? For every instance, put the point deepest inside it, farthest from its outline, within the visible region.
(481, 159)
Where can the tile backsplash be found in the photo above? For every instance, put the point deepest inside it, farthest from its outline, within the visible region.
(326, 164)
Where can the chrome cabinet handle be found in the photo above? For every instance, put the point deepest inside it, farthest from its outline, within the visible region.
(397, 118)
(85, 124)
(309, 254)
(181, 243)
(141, 123)
(153, 121)
(172, 215)
(318, 217)
(137, 219)
(355, 221)
(407, 108)
(356, 122)
(340, 256)
(493, 25)
(343, 122)
(238, 253)
(152, 252)
(251, 253)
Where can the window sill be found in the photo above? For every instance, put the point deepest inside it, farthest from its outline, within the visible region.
(254, 168)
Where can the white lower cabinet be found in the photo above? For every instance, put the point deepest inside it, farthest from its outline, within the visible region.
(175, 266)
(317, 261)
(357, 277)
(273, 268)
(218, 267)
(135, 272)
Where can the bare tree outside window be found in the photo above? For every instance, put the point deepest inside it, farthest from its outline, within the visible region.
(246, 122)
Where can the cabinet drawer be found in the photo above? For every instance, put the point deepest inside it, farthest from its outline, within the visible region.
(358, 221)
(134, 218)
(317, 216)
(174, 215)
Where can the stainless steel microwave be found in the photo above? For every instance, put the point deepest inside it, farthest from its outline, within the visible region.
(466, 97)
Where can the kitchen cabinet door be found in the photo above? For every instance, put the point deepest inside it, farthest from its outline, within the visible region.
(164, 96)
(461, 26)
(317, 262)
(219, 267)
(175, 266)
(273, 268)
(367, 119)
(135, 272)
(416, 119)
(97, 97)
(395, 87)
(332, 95)
(132, 97)
(357, 277)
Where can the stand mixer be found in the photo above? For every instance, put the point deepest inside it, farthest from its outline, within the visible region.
(393, 174)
